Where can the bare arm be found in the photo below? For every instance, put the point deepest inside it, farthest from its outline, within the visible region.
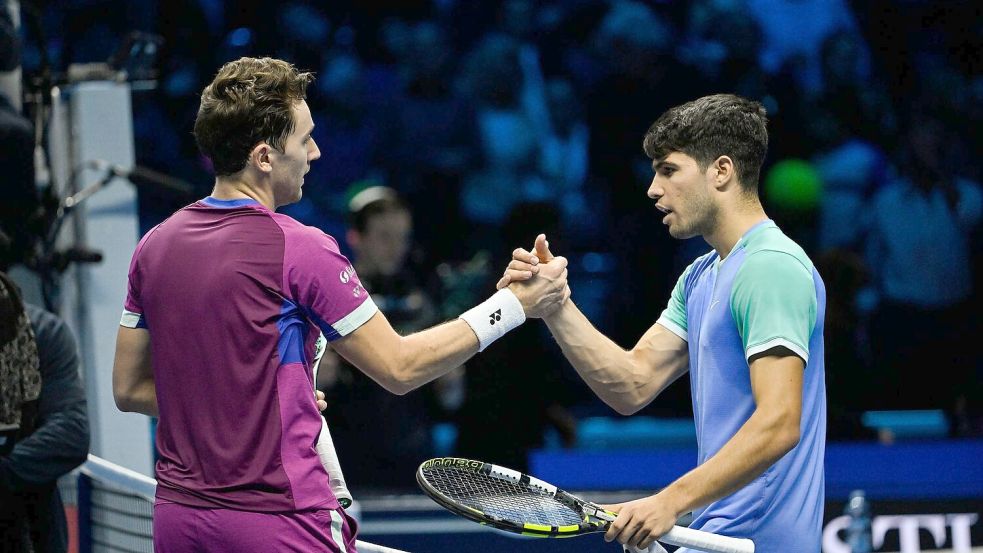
(403, 363)
(133, 373)
(625, 380)
(770, 433)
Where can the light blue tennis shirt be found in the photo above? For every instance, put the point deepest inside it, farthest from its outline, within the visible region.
(765, 293)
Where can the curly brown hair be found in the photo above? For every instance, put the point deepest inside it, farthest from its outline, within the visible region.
(710, 127)
(249, 101)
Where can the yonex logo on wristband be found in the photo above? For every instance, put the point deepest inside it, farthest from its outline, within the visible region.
(492, 318)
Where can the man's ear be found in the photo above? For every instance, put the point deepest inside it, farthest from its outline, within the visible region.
(259, 157)
(725, 172)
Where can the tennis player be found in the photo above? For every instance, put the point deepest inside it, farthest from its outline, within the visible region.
(226, 301)
(746, 321)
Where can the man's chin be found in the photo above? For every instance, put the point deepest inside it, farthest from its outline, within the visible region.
(290, 200)
(680, 233)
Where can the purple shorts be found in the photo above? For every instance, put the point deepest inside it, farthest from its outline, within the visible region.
(183, 529)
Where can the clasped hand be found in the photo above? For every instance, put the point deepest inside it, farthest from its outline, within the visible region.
(544, 294)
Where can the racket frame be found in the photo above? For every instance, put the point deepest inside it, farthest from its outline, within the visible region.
(594, 518)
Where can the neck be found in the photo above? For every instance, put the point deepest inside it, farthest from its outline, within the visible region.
(732, 224)
(235, 187)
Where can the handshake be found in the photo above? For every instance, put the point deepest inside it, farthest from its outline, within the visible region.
(538, 279)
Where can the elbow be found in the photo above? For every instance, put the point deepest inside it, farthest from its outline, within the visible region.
(404, 372)
(79, 450)
(624, 408)
(786, 437)
(83, 437)
(124, 399)
(627, 405)
(399, 382)
(400, 387)
(790, 439)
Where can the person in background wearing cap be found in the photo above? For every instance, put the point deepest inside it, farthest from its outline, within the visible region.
(380, 433)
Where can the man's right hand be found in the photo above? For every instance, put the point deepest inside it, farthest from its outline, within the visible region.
(540, 296)
(525, 265)
(543, 295)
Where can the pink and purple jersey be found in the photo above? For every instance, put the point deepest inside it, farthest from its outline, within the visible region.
(234, 297)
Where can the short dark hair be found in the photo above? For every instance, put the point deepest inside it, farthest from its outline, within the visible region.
(249, 101)
(710, 127)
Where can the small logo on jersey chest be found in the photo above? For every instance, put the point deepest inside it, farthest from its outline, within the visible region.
(347, 274)
(495, 317)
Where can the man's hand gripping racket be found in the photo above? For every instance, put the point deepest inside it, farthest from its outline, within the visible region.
(329, 460)
(509, 500)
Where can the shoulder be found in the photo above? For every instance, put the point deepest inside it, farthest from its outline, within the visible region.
(44, 322)
(771, 248)
(150, 235)
(50, 331)
(297, 233)
(160, 229)
(774, 264)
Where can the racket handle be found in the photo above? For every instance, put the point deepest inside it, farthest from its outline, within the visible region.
(706, 541)
(329, 460)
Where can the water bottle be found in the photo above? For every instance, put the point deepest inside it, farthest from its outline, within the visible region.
(858, 531)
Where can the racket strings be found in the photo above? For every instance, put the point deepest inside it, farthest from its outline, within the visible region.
(501, 499)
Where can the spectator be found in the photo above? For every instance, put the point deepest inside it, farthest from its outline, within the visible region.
(378, 432)
(797, 44)
(20, 198)
(44, 432)
(920, 256)
(508, 138)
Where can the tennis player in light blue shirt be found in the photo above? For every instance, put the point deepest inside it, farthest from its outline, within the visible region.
(746, 321)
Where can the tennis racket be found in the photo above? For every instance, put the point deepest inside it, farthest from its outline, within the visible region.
(515, 502)
(329, 460)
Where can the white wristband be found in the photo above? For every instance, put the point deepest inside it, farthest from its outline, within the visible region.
(491, 319)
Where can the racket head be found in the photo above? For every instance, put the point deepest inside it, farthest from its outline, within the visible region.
(507, 499)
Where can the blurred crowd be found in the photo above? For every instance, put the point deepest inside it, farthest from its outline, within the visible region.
(480, 123)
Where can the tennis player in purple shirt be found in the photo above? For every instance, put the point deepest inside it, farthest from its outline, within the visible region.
(225, 302)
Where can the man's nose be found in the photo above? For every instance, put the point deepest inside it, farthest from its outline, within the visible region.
(655, 190)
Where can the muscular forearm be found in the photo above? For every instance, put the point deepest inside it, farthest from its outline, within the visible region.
(403, 363)
(625, 380)
(761, 442)
(432, 353)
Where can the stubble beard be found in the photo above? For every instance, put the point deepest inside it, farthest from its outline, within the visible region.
(702, 221)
